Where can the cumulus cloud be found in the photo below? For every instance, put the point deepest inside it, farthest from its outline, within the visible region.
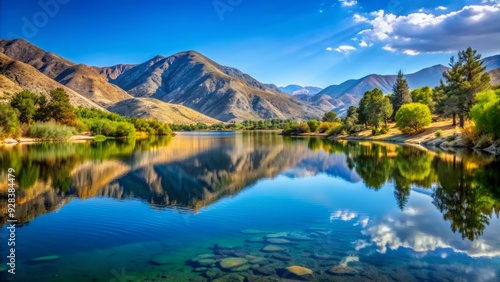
(359, 18)
(329, 49)
(348, 3)
(345, 49)
(476, 25)
(343, 215)
(442, 8)
(421, 228)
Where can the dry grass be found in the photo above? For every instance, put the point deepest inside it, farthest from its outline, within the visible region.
(158, 110)
(395, 135)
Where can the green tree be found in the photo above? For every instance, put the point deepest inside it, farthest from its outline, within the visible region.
(413, 117)
(25, 103)
(60, 108)
(401, 92)
(351, 119)
(424, 95)
(9, 122)
(486, 113)
(374, 108)
(330, 117)
(464, 80)
(313, 125)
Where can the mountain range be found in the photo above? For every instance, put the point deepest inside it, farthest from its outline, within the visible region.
(294, 89)
(188, 87)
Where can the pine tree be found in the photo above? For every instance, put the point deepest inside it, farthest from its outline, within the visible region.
(401, 93)
(464, 80)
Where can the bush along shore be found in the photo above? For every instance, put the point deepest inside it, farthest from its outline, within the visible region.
(31, 117)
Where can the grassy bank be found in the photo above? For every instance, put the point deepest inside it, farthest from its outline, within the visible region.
(394, 134)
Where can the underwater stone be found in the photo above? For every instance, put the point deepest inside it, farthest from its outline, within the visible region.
(272, 248)
(46, 258)
(298, 237)
(342, 270)
(206, 262)
(230, 278)
(299, 272)
(277, 235)
(253, 231)
(264, 270)
(278, 241)
(230, 263)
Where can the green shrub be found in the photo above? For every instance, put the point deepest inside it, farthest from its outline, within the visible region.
(99, 138)
(50, 131)
(375, 131)
(486, 113)
(413, 117)
(313, 125)
(9, 122)
(438, 133)
(383, 130)
(303, 127)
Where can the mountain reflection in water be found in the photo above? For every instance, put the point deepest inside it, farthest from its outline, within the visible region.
(189, 173)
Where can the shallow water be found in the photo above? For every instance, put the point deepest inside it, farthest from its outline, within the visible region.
(145, 210)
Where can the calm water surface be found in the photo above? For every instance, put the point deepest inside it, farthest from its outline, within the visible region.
(202, 207)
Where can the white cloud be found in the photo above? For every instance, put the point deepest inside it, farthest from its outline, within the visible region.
(329, 49)
(421, 228)
(364, 44)
(442, 8)
(345, 49)
(343, 215)
(476, 25)
(348, 3)
(359, 18)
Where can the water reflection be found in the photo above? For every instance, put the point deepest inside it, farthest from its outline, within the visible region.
(190, 173)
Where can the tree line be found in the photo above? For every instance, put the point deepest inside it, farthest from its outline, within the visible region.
(53, 117)
(465, 92)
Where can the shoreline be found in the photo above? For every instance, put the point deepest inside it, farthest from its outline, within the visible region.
(28, 140)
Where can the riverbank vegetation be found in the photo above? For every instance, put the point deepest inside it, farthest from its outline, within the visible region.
(53, 117)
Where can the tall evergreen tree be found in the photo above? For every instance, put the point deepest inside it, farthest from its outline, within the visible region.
(464, 80)
(401, 92)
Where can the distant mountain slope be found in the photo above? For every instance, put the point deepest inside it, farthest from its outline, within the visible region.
(158, 110)
(294, 89)
(114, 71)
(492, 62)
(495, 76)
(16, 76)
(351, 91)
(83, 79)
(223, 93)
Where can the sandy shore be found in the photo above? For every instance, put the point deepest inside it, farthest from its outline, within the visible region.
(22, 140)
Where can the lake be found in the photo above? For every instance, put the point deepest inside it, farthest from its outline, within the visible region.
(246, 206)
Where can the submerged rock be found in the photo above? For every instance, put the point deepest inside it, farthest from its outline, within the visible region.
(253, 231)
(278, 241)
(298, 237)
(322, 257)
(213, 273)
(230, 278)
(256, 260)
(230, 263)
(282, 257)
(200, 269)
(46, 258)
(256, 278)
(241, 268)
(342, 270)
(255, 240)
(297, 272)
(272, 248)
(277, 235)
(161, 259)
(206, 262)
(264, 270)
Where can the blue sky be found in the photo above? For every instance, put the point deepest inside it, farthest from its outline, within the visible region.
(304, 42)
